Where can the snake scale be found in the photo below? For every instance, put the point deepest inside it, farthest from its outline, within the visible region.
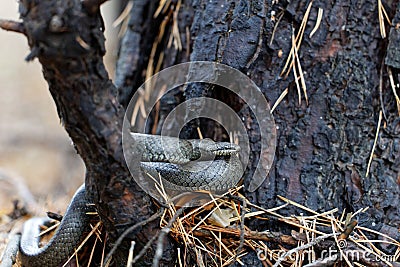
(186, 165)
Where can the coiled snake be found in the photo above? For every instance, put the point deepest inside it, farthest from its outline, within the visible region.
(186, 165)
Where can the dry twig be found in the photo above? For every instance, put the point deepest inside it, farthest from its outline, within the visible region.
(221, 245)
(129, 230)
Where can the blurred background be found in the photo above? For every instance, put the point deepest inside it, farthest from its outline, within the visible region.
(35, 151)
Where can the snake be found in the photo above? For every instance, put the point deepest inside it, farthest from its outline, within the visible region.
(187, 165)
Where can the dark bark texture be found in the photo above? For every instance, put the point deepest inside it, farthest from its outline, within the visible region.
(69, 43)
(323, 148)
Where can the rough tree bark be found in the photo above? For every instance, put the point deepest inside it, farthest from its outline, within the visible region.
(67, 38)
(323, 146)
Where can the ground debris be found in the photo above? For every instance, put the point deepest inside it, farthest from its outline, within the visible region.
(315, 239)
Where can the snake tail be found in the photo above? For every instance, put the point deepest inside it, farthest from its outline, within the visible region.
(67, 238)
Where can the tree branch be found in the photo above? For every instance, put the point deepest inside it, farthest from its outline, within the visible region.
(69, 43)
(13, 26)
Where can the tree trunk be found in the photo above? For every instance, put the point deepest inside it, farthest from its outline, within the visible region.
(324, 142)
(324, 145)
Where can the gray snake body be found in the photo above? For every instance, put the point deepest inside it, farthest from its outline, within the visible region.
(68, 236)
(187, 165)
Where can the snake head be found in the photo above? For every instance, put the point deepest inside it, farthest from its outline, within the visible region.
(225, 149)
(210, 149)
